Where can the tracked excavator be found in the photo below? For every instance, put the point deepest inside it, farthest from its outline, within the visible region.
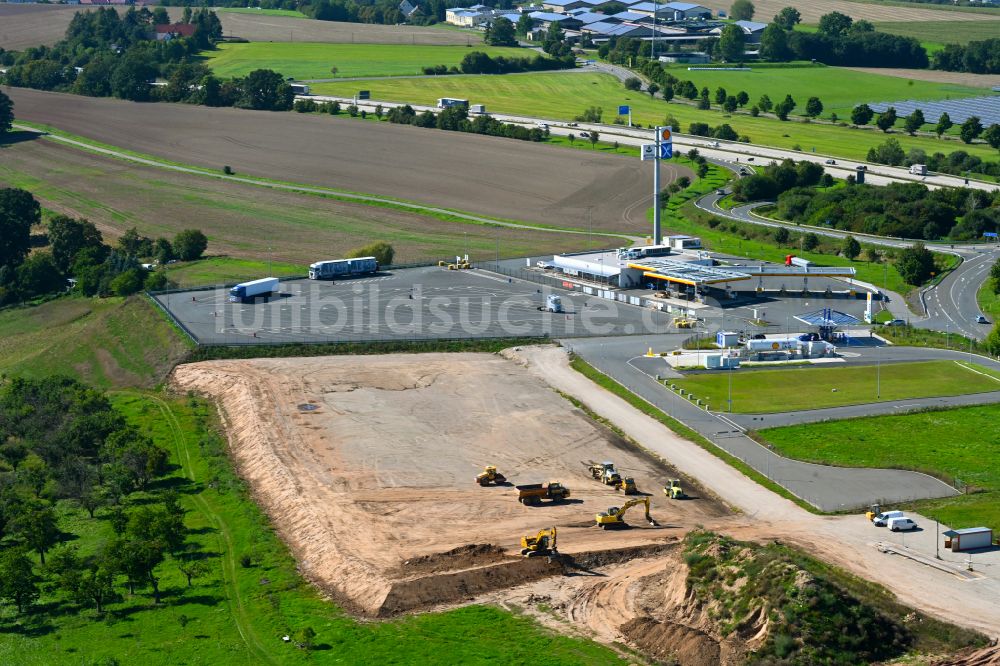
(491, 475)
(615, 516)
(543, 543)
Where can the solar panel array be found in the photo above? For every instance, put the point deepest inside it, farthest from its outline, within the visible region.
(987, 109)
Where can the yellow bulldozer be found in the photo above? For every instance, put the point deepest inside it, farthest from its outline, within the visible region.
(491, 475)
(543, 543)
(615, 516)
(673, 489)
(627, 486)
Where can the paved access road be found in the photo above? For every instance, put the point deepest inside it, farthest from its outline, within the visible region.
(828, 488)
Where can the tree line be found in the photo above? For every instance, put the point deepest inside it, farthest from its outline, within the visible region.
(982, 57)
(33, 265)
(105, 54)
(456, 119)
(904, 210)
(477, 62)
(63, 444)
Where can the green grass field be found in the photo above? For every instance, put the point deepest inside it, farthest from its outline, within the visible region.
(261, 12)
(961, 444)
(564, 95)
(812, 387)
(305, 61)
(989, 300)
(932, 32)
(236, 614)
(839, 89)
(225, 270)
(105, 342)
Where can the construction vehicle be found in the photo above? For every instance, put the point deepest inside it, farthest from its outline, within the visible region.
(491, 475)
(873, 511)
(627, 486)
(534, 493)
(543, 543)
(615, 516)
(683, 322)
(673, 489)
(605, 472)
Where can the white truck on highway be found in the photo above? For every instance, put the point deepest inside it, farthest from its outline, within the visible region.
(918, 169)
(246, 292)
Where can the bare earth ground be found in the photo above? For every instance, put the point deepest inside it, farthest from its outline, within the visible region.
(936, 76)
(242, 220)
(22, 26)
(486, 175)
(374, 486)
(813, 10)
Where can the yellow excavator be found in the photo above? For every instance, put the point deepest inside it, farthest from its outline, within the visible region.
(491, 475)
(543, 543)
(615, 516)
(673, 489)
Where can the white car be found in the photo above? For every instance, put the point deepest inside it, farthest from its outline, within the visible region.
(543, 265)
(883, 519)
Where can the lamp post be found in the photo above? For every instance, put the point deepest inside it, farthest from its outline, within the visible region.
(878, 372)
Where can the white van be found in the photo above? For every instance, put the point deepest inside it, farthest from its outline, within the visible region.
(882, 519)
(901, 524)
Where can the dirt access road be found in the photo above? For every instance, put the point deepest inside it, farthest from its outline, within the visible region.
(24, 25)
(366, 466)
(846, 541)
(486, 175)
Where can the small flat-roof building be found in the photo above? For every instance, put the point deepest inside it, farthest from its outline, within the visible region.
(751, 29)
(970, 538)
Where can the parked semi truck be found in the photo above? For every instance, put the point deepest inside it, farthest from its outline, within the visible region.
(534, 493)
(335, 268)
(248, 291)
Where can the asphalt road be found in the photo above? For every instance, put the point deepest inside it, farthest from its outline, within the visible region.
(828, 488)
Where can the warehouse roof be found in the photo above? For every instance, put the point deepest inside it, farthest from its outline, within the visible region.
(967, 530)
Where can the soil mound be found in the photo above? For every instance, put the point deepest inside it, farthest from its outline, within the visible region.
(463, 557)
(667, 640)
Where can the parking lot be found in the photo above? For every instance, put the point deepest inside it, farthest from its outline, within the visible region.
(406, 304)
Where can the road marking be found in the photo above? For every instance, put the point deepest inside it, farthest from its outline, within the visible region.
(984, 374)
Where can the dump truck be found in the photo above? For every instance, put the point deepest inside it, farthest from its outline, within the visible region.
(605, 472)
(543, 543)
(534, 493)
(673, 489)
(490, 475)
(627, 486)
(615, 516)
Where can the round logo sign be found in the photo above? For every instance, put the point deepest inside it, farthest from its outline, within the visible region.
(665, 134)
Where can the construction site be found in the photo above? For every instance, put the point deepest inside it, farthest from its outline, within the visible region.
(372, 469)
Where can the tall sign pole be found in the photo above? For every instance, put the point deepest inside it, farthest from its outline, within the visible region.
(664, 150)
(656, 191)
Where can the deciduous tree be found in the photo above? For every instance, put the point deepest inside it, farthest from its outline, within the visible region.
(741, 10)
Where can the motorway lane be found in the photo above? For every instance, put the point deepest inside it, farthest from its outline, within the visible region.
(952, 305)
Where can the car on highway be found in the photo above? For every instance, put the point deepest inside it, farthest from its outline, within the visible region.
(982, 320)
(721, 191)
(584, 135)
(896, 322)
(831, 161)
(572, 124)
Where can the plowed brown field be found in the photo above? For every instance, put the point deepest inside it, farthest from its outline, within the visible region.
(479, 174)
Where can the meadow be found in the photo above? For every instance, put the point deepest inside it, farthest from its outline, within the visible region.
(957, 445)
(814, 387)
(306, 61)
(563, 96)
(932, 32)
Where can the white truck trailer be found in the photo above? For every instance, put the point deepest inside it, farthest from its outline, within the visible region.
(248, 291)
(338, 268)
